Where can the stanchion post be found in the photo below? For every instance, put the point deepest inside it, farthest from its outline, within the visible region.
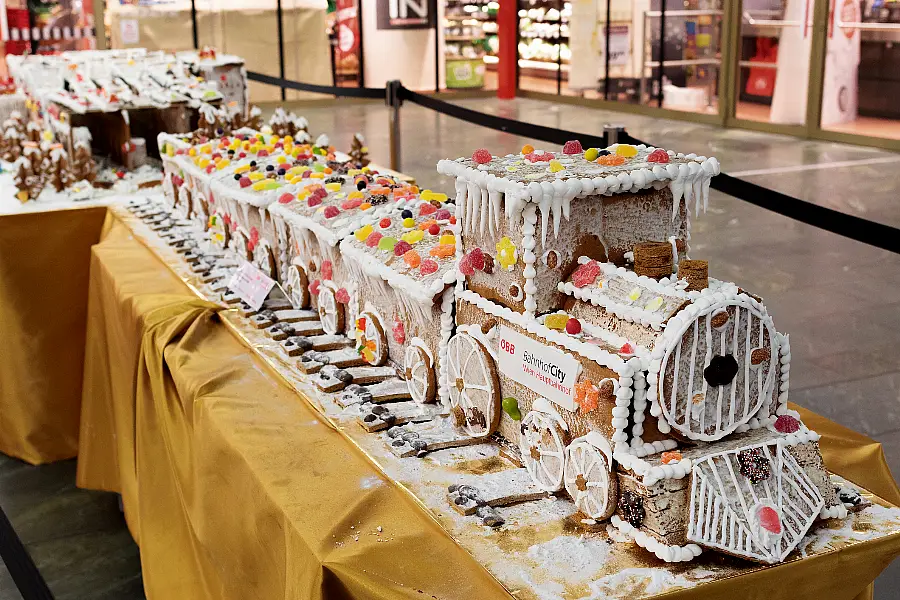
(614, 133)
(393, 101)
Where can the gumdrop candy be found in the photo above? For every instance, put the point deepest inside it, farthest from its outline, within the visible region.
(427, 209)
(611, 160)
(443, 251)
(476, 259)
(327, 269)
(556, 166)
(401, 248)
(413, 236)
(399, 332)
(556, 321)
(314, 287)
(411, 258)
(768, 519)
(635, 294)
(586, 274)
(465, 266)
(387, 243)
(442, 214)
(314, 201)
(587, 396)
(286, 199)
(573, 326)
(511, 407)
(342, 296)
(527, 149)
(245, 182)
(384, 223)
(591, 154)
(409, 222)
(351, 204)
(572, 147)
(507, 254)
(373, 239)
(482, 156)
(626, 150)
(671, 457)
(654, 304)
(658, 156)
(447, 239)
(626, 348)
(434, 229)
(331, 212)
(363, 232)
(428, 267)
(787, 424)
(539, 157)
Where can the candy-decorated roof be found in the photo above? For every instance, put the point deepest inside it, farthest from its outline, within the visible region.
(412, 247)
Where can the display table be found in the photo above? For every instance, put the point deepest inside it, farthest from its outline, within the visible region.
(236, 487)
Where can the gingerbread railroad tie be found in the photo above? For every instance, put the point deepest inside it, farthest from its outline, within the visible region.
(313, 360)
(271, 304)
(494, 490)
(332, 379)
(296, 345)
(375, 417)
(418, 439)
(653, 259)
(389, 390)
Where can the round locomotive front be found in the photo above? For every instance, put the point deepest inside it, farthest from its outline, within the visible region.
(715, 366)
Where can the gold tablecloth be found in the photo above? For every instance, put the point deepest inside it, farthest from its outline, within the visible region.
(44, 265)
(237, 489)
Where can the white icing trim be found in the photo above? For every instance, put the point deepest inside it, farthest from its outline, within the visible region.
(447, 324)
(543, 405)
(838, 511)
(596, 439)
(662, 551)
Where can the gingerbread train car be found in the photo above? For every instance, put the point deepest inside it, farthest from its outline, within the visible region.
(589, 345)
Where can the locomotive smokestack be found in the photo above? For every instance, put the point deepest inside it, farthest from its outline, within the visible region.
(696, 272)
(653, 259)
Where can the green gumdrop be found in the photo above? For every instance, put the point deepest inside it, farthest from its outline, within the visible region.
(318, 167)
(511, 407)
(387, 243)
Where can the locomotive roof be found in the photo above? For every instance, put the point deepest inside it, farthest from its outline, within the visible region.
(553, 180)
(430, 236)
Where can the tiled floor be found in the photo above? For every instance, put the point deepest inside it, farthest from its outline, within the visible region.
(839, 299)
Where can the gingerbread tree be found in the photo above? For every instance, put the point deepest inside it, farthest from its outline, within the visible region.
(23, 173)
(11, 143)
(359, 152)
(61, 175)
(83, 166)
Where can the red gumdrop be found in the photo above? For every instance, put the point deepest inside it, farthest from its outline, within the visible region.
(540, 157)
(373, 239)
(342, 296)
(331, 212)
(286, 199)
(466, 267)
(401, 248)
(245, 182)
(427, 209)
(586, 274)
(573, 147)
(314, 287)
(327, 269)
(658, 156)
(434, 229)
(351, 204)
(428, 267)
(482, 156)
(442, 215)
(769, 519)
(787, 424)
(210, 169)
(384, 223)
(262, 153)
(399, 332)
(626, 349)
(242, 155)
(573, 326)
(476, 258)
(215, 156)
(314, 200)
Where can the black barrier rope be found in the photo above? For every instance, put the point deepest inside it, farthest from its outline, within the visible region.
(18, 562)
(850, 226)
(349, 92)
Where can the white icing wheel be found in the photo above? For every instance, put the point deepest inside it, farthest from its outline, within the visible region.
(473, 385)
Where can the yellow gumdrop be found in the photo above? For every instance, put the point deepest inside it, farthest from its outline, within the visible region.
(363, 232)
(288, 139)
(591, 154)
(333, 187)
(256, 176)
(556, 321)
(506, 253)
(353, 172)
(281, 159)
(626, 150)
(192, 152)
(355, 194)
(203, 163)
(170, 150)
(556, 166)
(317, 175)
(447, 240)
(223, 163)
(413, 237)
(259, 186)
(409, 222)
(635, 294)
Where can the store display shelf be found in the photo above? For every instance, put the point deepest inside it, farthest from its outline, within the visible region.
(463, 38)
(547, 65)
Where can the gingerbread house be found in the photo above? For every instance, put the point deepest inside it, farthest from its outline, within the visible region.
(613, 367)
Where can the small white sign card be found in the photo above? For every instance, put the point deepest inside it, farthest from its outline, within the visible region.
(540, 367)
(251, 285)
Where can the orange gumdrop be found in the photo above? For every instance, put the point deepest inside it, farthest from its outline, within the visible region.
(412, 258)
(365, 206)
(424, 226)
(527, 149)
(611, 160)
(443, 250)
(670, 457)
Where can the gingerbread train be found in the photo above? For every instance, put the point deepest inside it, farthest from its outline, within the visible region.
(550, 307)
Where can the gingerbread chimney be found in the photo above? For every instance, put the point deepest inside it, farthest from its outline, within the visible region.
(653, 259)
(696, 272)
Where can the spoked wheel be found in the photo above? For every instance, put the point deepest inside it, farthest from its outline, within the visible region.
(331, 313)
(543, 448)
(264, 258)
(589, 480)
(219, 235)
(370, 339)
(419, 375)
(474, 388)
(298, 286)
